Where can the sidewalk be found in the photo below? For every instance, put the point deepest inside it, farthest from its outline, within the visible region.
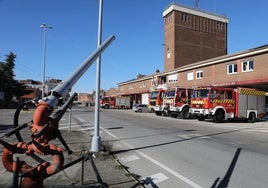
(102, 171)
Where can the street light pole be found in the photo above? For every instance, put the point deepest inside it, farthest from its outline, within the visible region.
(44, 26)
(96, 139)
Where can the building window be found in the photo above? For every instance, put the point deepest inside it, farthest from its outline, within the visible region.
(172, 78)
(190, 76)
(232, 68)
(185, 17)
(168, 53)
(168, 19)
(219, 26)
(153, 82)
(199, 74)
(142, 84)
(247, 66)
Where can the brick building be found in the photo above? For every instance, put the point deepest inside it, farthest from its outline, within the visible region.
(195, 55)
(192, 35)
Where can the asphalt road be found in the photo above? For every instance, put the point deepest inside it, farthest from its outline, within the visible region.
(168, 152)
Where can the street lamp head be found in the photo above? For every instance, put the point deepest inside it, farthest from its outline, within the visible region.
(45, 26)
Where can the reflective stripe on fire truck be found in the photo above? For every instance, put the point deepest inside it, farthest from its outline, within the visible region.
(198, 102)
(251, 92)
(226, 101)
(183, 100)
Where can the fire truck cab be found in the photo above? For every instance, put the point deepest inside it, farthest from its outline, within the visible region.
(181, 105)
(222, 104)
(158, 108)
(152, 100)
(174, 102)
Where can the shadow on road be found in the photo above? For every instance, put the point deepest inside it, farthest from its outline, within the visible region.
(172, 142)
(225, 181)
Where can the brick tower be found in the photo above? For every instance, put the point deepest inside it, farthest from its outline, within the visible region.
(191, 35)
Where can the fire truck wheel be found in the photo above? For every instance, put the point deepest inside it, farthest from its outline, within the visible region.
(252, 117)
(201, 118)
(219, 116)
(166, 113)
(185, 113)
(158, 113)
(173, 115)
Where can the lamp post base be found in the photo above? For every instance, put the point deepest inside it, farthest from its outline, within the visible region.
(96, 142)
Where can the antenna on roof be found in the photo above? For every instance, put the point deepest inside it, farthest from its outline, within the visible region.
(196, 4)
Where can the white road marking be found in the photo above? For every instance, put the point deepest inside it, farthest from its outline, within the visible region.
(129, 158)
(173, 172)
(155, 179)
(74, 125)
(85, 129)
(189, 136)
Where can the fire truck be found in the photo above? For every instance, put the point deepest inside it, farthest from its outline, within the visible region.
(222, 104)
(107, 102)
(119, 102)
(158, 108)
(122, 102)
(175, 102)
(181, 104)
(152, 99)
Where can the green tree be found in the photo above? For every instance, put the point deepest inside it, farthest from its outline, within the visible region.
(8, 86)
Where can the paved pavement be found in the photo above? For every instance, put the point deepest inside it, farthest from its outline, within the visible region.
(102, 171)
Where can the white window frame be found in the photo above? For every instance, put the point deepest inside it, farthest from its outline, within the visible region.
(232, 67)
(249, 66)
(172, 78)
(199, 74)
(190, 76)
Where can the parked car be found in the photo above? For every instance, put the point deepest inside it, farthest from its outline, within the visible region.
(141, 108)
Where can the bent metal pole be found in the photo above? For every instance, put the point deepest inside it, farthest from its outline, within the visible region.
(66, 85)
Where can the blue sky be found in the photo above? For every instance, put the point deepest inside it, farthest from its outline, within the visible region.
(136, 24)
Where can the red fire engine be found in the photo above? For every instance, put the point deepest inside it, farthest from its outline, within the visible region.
(181, 105)
(152, 99)
(107, 102)
(158, 109)
(119, 102)
(222, 104)
(174, 102)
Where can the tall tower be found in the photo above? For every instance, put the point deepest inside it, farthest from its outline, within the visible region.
(191, 35)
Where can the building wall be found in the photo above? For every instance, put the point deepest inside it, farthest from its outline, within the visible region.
(85, 98)
(138, 86)
(217, 74)
(213, 71)
(191, 36)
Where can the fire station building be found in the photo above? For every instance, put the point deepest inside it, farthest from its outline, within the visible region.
(195, 55)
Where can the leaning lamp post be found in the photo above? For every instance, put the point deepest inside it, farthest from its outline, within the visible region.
(44, 26)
